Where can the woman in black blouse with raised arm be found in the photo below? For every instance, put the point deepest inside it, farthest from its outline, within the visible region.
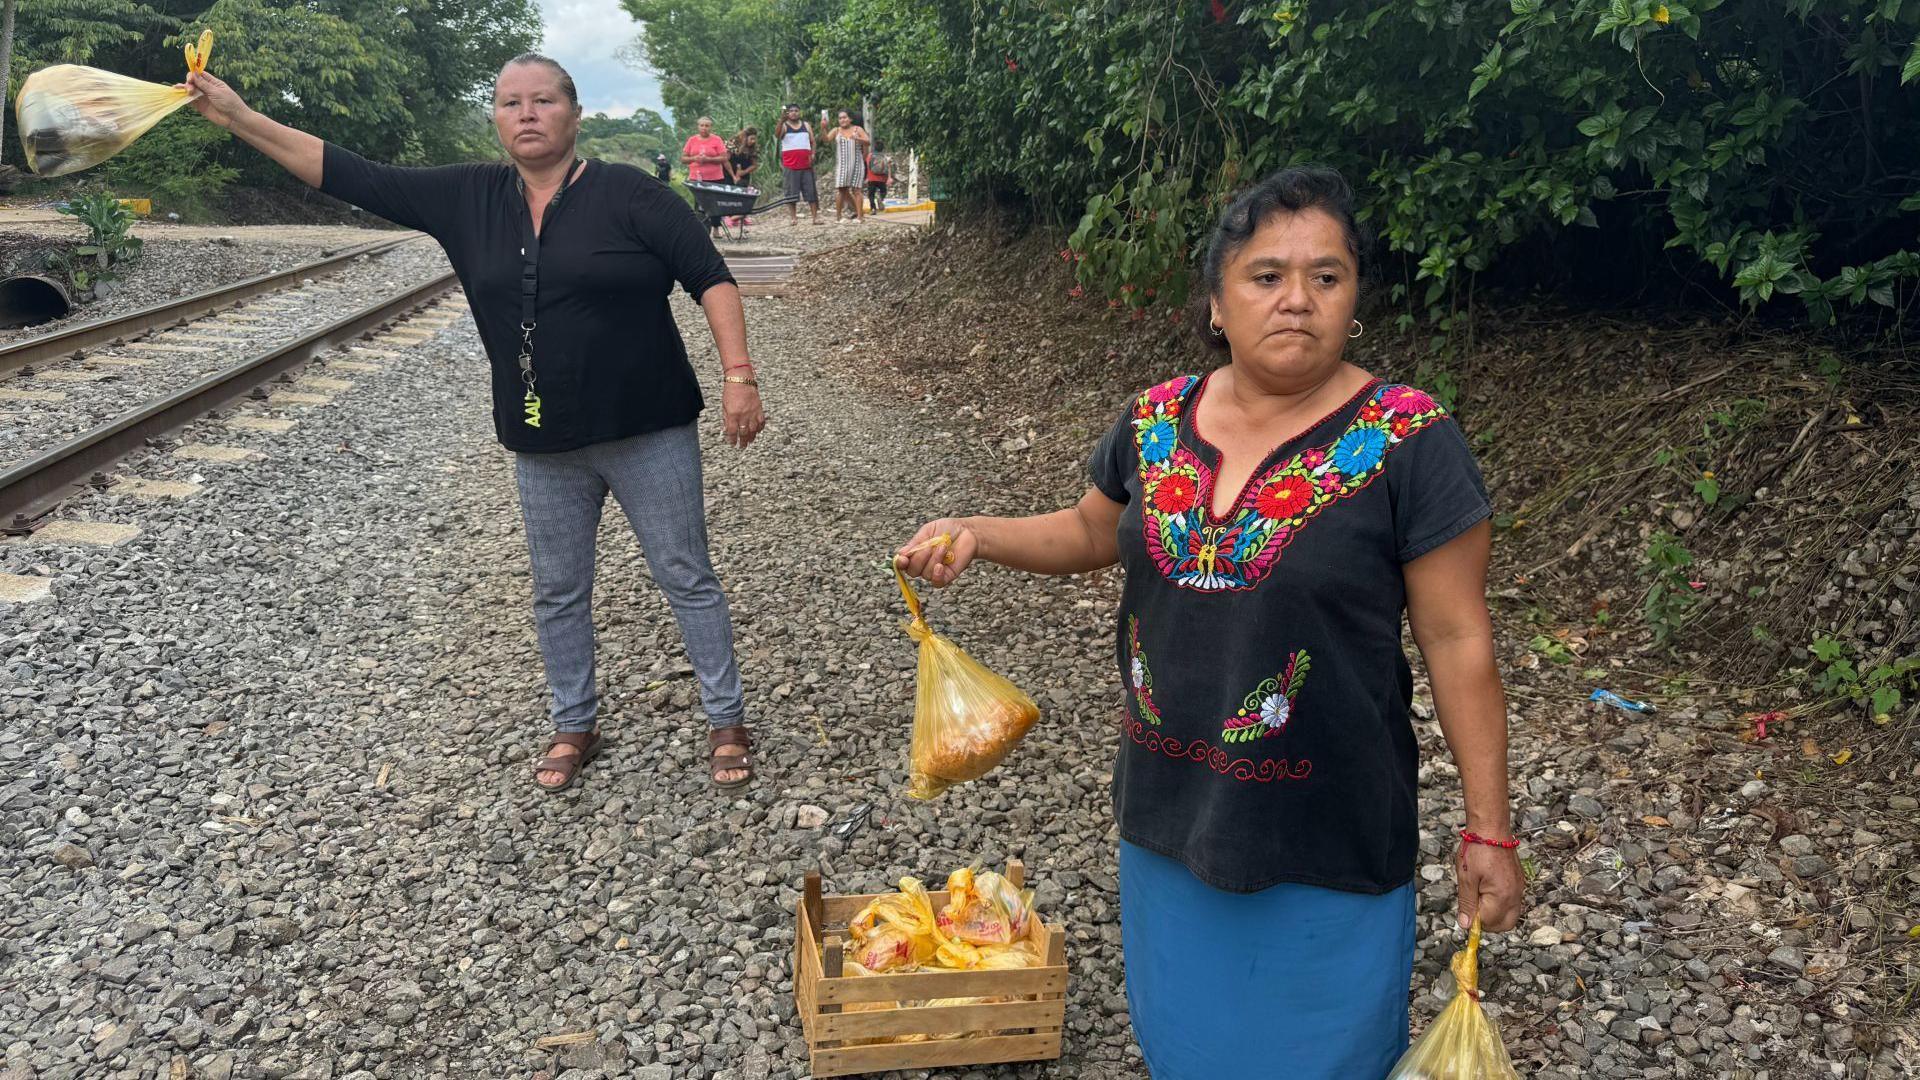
(568, 266)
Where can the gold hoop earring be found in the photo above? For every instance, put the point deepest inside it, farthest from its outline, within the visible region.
(1358, 329)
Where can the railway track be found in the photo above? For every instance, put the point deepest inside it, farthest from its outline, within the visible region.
(33, 485)
(178, 314)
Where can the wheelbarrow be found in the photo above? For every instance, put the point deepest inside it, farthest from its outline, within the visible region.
(722, 201)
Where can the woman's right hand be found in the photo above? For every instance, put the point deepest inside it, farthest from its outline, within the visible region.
(939, 564)
(217, 101)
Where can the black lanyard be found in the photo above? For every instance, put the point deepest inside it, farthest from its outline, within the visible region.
(530, 284)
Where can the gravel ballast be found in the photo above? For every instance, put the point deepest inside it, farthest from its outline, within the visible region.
(266, 805)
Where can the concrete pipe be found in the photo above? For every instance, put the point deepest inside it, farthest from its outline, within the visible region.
(32, 299)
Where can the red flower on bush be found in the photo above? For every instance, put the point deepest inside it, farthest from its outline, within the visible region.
(1011, 66)
(1174, 494)
(1285, 497)
(1076, 292)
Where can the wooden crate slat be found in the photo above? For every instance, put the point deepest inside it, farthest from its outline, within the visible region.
(922, 985)
(944, 1019)
(985, 1050)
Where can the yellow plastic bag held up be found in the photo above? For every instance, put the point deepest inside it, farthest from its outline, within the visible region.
(966, 719)
(72, 117)
(1462, 1044)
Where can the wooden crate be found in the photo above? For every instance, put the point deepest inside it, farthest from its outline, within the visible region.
(1024, 1029)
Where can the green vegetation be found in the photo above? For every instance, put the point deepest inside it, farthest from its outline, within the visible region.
(1766, 150)
(93, 266)
(1879, 689)
(632, 140)
(1670, 599)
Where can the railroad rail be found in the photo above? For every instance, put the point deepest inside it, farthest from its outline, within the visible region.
(75, 342)
(34, 486)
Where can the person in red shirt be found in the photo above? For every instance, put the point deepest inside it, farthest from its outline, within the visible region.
(796, 164)
(705, 154)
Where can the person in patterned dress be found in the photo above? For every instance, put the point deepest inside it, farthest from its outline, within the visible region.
(1277, 518)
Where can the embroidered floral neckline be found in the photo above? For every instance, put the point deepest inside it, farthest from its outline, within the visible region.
(1195, 551)
(1219, 456)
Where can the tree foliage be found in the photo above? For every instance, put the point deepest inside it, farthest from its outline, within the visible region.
(1767, 149)
(631, 140)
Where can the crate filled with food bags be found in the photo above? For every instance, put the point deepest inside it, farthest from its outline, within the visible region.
(923, 979)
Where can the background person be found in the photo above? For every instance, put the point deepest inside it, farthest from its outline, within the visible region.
(744, 156)
(796, 164)
(1275, 519)
(850, 144)
(596, 396)
(705, 154)
(879, 175)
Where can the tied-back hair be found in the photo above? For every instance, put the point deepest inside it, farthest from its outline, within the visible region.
(566, 80)
(1292, 190)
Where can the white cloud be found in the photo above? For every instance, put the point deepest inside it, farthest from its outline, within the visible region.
(585, 37)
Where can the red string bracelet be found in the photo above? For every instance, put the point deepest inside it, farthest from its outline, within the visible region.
(1475, 838)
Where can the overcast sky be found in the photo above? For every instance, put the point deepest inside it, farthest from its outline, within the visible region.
(584, 35)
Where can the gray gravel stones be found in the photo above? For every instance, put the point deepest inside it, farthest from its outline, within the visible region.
(295, 717)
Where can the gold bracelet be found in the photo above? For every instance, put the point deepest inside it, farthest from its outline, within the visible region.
(743, 380)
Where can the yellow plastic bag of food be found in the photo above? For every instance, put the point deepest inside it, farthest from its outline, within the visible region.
(72, 117)
(984, 908)
(966, 719)
(895, 932)
(1462, 1044)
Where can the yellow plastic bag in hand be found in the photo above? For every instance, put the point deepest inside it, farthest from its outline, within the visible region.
(72, 117)
(966, 719)
(1462, 1044)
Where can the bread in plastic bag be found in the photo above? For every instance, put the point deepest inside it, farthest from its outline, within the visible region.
(1462, 1044)
(72, 117)
(984, 908)
(897, 931)
(966, 719)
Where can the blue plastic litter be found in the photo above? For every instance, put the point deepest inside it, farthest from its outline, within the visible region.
(1608, 697)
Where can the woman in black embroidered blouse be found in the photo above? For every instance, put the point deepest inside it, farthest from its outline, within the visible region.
(1276, 518)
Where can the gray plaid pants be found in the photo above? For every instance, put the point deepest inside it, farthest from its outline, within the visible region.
(656, 478)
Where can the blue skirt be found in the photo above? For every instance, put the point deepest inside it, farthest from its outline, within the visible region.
(1294, 981)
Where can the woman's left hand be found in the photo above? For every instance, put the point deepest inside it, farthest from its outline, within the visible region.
(742, 413)
(1491, 885)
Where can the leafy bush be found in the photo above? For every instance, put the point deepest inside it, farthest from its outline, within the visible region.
(1773, 147)
(109, 249)
(175, 164)
(1670, 599)
(1880, 689)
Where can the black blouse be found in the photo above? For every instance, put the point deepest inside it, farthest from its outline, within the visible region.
(608, 356)
(1265, 736)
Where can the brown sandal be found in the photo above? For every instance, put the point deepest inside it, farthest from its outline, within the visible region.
(571, 764)
(734, 735)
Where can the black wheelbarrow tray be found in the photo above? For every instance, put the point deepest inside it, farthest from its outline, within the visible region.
(718, 202)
